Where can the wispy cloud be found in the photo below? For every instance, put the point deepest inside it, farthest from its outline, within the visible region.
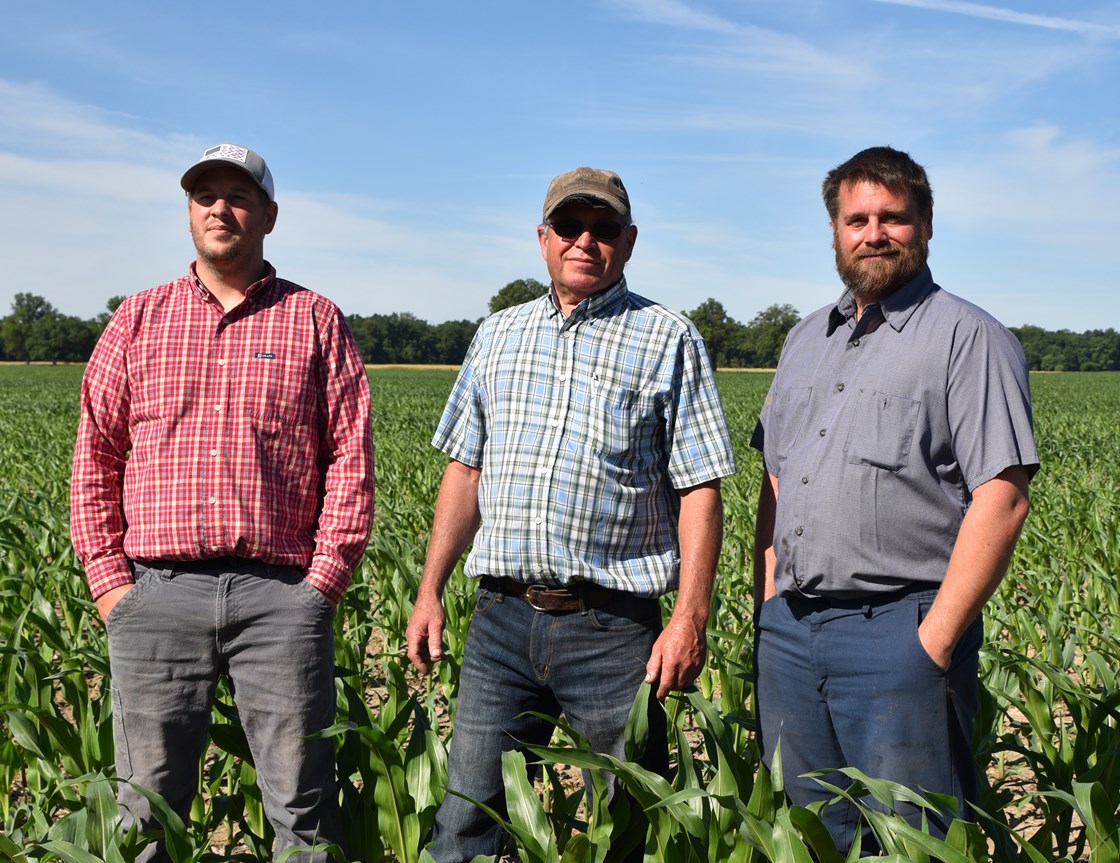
(35, 120)
(677, 14)
(743, 45)
(1012, 16)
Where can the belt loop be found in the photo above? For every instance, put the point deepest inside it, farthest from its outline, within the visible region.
(582, 594)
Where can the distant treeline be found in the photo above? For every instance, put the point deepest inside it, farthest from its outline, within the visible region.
(34, 331)
(1067, 351)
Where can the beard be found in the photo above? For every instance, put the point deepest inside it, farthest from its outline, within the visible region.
(871, 280)
(230, 255)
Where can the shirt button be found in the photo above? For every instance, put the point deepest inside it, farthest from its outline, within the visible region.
(212, 500)
(221, 362)
(823, 432)
(799, 530)
(839, 388)
(804, 480)
(217, 407)
(213, 452)
(855, 343)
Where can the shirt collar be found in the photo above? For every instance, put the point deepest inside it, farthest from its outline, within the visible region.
(897, 307)
(601, 305)
(257, 287)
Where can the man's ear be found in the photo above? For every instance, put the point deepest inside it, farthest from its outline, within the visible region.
(542, 238)
(632, 233)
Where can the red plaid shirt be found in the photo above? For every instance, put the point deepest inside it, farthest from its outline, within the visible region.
(205, 434)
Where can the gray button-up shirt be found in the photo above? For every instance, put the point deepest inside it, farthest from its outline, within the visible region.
(878, 440)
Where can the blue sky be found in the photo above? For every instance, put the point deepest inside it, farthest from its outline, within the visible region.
(412, 143)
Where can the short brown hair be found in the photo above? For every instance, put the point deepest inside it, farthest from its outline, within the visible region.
(883, 166)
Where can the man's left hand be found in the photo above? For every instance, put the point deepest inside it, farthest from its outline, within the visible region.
(677, 658)
(332, 603)
(942, 656)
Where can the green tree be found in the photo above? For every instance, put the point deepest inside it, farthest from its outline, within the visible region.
(57, 338)
(397, 338)
(369, 332)
(717, 328)
(763, 337)
(409, 339)
(15, 329)
(452, 338)
(516, 293)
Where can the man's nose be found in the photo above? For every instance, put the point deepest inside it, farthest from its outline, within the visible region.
(586, 240)
(875, 233)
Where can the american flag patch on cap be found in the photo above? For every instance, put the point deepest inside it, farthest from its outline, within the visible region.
(227, 151)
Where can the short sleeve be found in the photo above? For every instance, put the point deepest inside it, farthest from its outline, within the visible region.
(989, 403)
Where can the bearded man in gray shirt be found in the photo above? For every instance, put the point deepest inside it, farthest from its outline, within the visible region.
(898, 448)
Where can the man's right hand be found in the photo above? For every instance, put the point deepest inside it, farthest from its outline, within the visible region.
(424, 635)
(110, 598)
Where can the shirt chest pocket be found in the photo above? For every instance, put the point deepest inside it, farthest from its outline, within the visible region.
(882, 430)
(279, 388)
(620, 422)
(791, 407)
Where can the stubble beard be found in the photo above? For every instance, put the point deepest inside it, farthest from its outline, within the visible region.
(871, 280)
(225, 257)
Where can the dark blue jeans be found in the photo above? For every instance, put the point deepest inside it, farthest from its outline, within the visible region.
(272, 633)
(849, 684)
(517, 659)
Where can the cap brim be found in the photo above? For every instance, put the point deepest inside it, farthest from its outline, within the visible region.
(590, 198)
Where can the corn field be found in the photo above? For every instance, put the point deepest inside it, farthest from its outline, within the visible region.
(1048, 734)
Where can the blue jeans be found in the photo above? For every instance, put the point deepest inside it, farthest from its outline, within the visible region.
(848, 683)
(272, 633)
(517, 659)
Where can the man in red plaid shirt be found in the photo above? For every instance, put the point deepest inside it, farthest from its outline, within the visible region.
(221, 497)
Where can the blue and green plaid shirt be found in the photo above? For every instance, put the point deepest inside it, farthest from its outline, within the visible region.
(585, 430)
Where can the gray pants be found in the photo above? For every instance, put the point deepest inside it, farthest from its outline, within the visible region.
(272, 634)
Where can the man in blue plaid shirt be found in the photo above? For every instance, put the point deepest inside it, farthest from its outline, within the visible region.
(586, 442)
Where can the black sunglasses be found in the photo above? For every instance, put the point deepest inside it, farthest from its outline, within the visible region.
(571, 229)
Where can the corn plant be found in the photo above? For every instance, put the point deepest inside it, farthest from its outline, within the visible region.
(1047, 736)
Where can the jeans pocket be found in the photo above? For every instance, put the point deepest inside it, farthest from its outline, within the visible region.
(145, 577)
(626, 614)
(484, 600)
(922, 607)
(764, 608)
(311, 596)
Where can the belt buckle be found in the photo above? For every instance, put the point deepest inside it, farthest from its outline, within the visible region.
(532, 591)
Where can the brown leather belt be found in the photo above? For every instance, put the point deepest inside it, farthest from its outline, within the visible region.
(541, 597)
